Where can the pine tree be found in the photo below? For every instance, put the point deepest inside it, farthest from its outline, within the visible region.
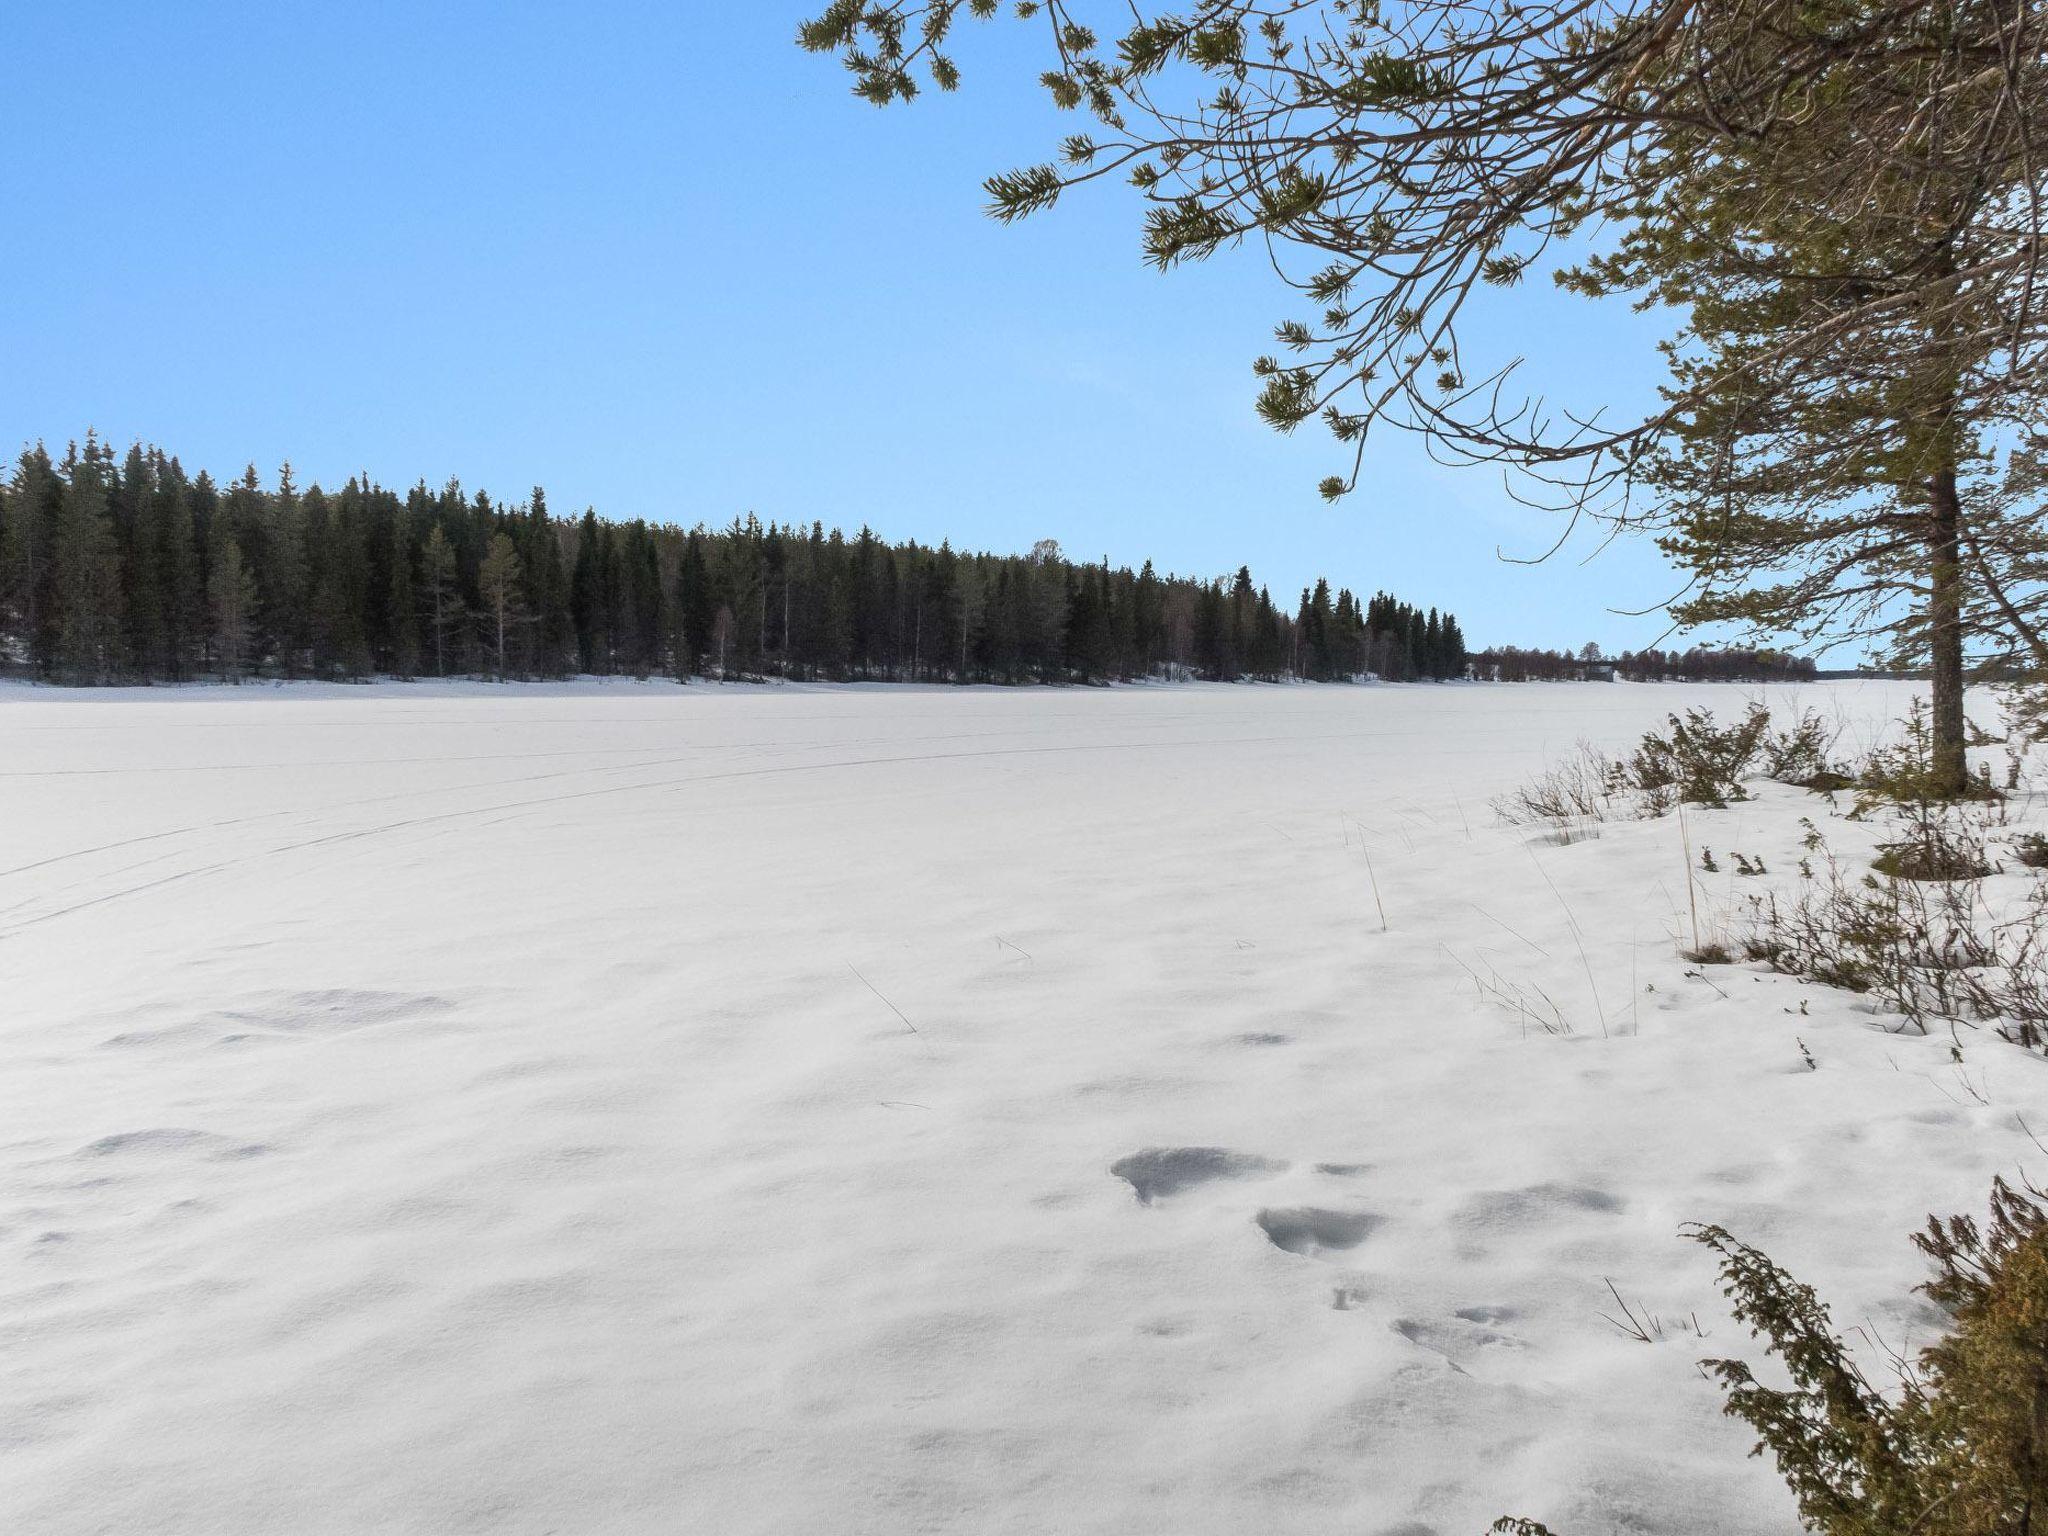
(1810, 488)
(500, 580)
(444, 597)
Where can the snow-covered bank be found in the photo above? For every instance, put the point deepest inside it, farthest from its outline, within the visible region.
(889, 1110)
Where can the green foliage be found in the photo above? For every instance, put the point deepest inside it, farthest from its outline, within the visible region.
(1961, 1449)
(1186, 229)
(1699, 762)
(87, 572)
(1013, 194)
(235, 600)
(1696, 763)
(1958, 1444)
(1906, 773)
(1386, 80)
(1933, 852)
(1288, 399)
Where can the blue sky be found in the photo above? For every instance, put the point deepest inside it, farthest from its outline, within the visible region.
(652, 257)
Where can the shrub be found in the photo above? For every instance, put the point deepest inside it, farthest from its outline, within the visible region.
(1804, 754)
(1929, 948)
(1934, 852)
(1569, 796)
(1903, 773)
(1959, 1446)
(1699, 762)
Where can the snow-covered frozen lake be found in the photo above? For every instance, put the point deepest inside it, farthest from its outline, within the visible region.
(638, 1109)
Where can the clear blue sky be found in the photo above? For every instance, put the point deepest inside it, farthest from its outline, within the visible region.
(652, 257)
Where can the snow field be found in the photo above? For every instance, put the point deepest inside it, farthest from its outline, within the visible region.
(631, 1108)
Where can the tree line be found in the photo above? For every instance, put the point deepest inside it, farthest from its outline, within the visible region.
(136, 571)
(1699, 664)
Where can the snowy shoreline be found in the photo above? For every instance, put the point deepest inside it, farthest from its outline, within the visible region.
(874, 1108)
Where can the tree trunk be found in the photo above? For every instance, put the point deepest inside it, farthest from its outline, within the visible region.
(1945, 633)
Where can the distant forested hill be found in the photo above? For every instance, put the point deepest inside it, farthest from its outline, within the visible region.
(1700, 664)
(133, 570)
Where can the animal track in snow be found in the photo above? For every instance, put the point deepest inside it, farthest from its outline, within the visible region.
(1536, 1206)
(1465, 1343)
(1156, 1172)
(1449, 1340)
(170, 1034)
(171, 1139)
(137, 1141)
(1312, 1231)
(1487, 1314)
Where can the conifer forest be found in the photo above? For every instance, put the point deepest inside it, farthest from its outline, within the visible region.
(126, 568)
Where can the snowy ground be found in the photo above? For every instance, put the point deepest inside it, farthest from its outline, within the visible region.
(878, 1111)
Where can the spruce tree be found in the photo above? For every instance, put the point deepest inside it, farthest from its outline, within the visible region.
(87, 567)
(640, 578)
(547, 594)
(235, 602)
(282, 574)
(341, 597)
(176, 545)
(587, 598)
(34, 506)
(401, 606)
(695, 607)
(132, 498)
